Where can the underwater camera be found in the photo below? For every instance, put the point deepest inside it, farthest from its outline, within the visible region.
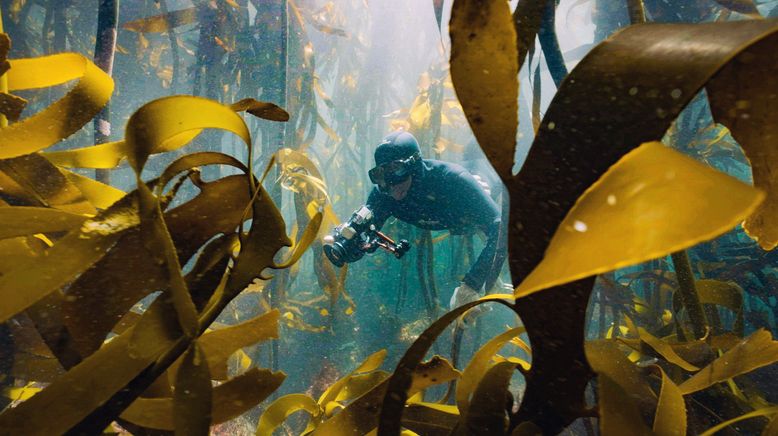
(352, 239)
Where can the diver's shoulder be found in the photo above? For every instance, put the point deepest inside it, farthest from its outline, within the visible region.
(446, 168)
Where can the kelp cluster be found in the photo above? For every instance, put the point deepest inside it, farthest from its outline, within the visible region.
(597, 192)
(79, 255)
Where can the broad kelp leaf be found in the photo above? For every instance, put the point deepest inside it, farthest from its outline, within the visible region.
(101, 196)
(85, 387)
(527, 19)
(193, 160)
(81, 104)
(478, 366)
(484, 70)
(193, 395)
(606, 359)
(31, 180)
(767, 411)
(219, 345)
(163, 22)
(230, 400)
(371, 363)
(665, 350)
(430, 419)
(619, 414)
(720, 293)
(361, 415)
(670, 418)
(23, 221)
(276, 413)
(147, 129)
(68, 258)
(261, 109)
(646, 206)
(218, 209)
(751, 353)
(358, 385)
(401, 381)
(487, 414)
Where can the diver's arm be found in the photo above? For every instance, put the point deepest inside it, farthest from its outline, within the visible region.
(379, 205)
(479, 209)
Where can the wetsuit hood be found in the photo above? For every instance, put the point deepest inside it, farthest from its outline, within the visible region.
(395, 146)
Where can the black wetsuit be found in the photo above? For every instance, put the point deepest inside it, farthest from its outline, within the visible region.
(445, 196)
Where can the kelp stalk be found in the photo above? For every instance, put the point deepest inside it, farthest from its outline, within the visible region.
(637, 11)
(105, 48)
(689, 297)
(3, 81)
(550, 44)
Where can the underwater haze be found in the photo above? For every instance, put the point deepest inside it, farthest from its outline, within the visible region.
(416, 217)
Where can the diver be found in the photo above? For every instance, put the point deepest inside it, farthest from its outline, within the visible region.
(430, 194)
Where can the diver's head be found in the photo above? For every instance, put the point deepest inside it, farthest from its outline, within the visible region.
(397, 159)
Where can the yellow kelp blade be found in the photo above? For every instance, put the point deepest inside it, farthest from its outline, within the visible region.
(65, 116)
(371, 363)
(276, 413)
(652, 202)
(665, 350)
(479, 364)
(21, 287)
(754, 352)
(767, 411)
(230, 399)
(101, 196)
(484, 70)
(750, 111)
(163, 22)
(193, 396)
(219, 345)
(670, 418)
(22, 221)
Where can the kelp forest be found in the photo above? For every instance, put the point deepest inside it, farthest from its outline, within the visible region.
(173, 174)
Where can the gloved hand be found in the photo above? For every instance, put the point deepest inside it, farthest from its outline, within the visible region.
(463, 294)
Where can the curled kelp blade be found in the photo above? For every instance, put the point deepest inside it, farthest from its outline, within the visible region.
(399, 384)
(230, 399)
(277, 412)
(670, 417)
(646, 206)
(479, 364)
(81, 104)
(484, 70)
(626, 92)
(749, 109)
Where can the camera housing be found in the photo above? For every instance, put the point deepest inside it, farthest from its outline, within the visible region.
(357, 236)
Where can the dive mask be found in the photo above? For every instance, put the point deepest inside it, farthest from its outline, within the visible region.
(392, 173)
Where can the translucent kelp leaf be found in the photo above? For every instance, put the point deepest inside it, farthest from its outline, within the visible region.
(606, 358)
(401, 381)
(751, 353)
(619, 415)
(261, 109)
(361, 415)
(749, 108)
(720, 293)
(230, 399)
(359, 384)
(66, 260)
(276, 413)
(767, 411)
(193, 395)
(49, 126)
(665, 350)
(478, 365)
(218, 345)
(646, 206)
(101, 196)
(430, 418)
(86, 386)
(22, 221)
(371, 363)
(487, 413)
(163, 22)
(484, 70)
(670, 418)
